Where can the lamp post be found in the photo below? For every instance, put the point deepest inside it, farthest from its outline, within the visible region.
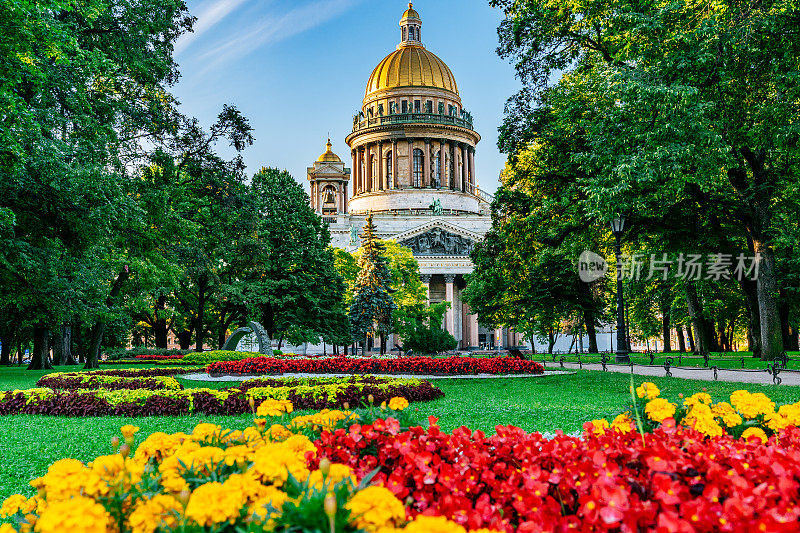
(623, 351)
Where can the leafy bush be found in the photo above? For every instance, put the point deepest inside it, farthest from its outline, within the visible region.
(140, 399)
(429, 340)
(115, 354)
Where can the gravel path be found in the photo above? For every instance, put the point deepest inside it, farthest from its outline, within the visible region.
(706, 374)
(207, 377)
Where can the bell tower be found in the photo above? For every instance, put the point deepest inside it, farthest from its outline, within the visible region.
(329, 178)
(410, 28)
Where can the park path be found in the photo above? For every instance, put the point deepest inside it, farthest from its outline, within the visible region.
(787, 377)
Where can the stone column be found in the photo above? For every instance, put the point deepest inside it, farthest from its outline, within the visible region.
(441, 162)
(472, 179)
(426, 280)
(463, 186)
(458, 326)
(473, 329)
(411, 162)
(395, 184)
(381, 185)
(354, 172)
(360, 170)
(449, 280)
(368, 167)
(453, 166)
(426, 170)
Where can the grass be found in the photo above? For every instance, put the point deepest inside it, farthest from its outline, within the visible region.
(31, 443)
(731, 360)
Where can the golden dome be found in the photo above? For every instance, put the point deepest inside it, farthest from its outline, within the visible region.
(410, 13)
(411, 66)
(329, 156)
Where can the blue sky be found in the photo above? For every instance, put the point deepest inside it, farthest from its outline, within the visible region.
(298, 68)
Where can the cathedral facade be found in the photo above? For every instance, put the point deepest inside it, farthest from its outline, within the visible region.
(412, 165)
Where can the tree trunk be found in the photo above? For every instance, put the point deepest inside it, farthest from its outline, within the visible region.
(750, 291)
(591, 332)
(703, 337)
(551, 341)
(199, 329)
(160, 327)
(5, 353)
(786, 329)
(185, 339)
(681, 340)
(99, 328)
(793, 345)
(62, 346)
(666, 332)
(40, 360)
(767, 285)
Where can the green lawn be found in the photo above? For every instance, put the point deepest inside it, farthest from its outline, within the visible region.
(731, 360)
(31, 443)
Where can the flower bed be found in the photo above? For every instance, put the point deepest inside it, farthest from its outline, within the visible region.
(368, 471)
(316, 393)
(214, 480)
(747, 414)
(406, 365)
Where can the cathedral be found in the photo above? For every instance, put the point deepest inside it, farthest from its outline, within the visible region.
(412, 165)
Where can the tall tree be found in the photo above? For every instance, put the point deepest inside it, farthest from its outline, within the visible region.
(670, 96)
(372, 306)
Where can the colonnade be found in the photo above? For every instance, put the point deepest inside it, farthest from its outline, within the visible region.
(375, 165)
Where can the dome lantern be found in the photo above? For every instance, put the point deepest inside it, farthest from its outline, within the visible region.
(328, 156)
(410, 27)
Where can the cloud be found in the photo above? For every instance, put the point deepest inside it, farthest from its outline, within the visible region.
(274, 28)
(209, 15)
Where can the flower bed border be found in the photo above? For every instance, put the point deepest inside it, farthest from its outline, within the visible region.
(401, 365)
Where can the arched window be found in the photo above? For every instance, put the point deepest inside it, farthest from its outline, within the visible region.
(405, 35)
(419, 162)
(329, 200)
(389, 168)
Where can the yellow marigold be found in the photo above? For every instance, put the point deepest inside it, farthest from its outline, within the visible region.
(271, 500)
(128, 431)
(17, 503)
(275, 461)
(659, 409)
(433, 524)
(727, 414)
(600, 426)
(67, 478)
(375, 507)
(751, 405)
(7, 528)
(159, 445)
(205, 431)
(117, 472)
(699, 397)
(238, 455)
(623, 423)
(160, 511)
(301, 445)
(247, 485)
(776, 421)
(326, 419)
(398, 403)
(273, 407)
(647, 390)
(278, 432)
(253, 437)
(755, 432)
(791, 412)
(76, 515)
(701, 418)
(213, 503)
(337, 474)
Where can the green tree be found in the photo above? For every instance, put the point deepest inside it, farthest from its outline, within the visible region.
(288, 281)
(669, 97)
(372, 306)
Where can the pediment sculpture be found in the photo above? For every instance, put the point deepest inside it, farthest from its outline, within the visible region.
(439, 242)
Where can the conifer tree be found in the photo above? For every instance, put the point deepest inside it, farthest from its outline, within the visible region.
(372, 306)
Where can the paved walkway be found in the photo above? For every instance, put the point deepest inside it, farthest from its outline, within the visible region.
(707, 374)
(207, 377)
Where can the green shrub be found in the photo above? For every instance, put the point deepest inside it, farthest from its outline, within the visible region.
(429, 340)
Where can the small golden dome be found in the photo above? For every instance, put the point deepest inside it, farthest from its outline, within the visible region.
(329, 156)
(411, 66)
(410, 13)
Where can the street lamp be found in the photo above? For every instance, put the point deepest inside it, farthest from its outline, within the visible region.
(623, 351)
